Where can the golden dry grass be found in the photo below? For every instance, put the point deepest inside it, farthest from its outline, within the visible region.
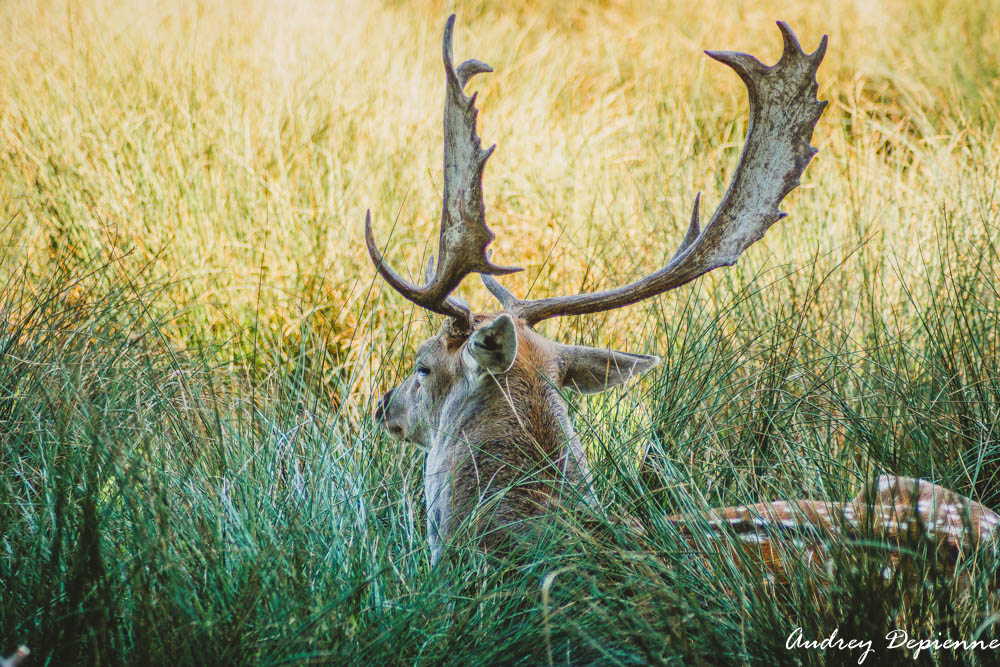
(233, 148)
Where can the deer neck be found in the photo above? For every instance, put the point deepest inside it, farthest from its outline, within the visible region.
(510, 435)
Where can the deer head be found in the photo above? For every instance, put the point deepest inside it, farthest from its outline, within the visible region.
(484, 398)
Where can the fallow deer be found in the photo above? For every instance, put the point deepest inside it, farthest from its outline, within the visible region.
(485, 399)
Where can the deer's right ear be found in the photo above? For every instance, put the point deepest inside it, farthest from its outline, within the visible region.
(492, 348)
(590, 370)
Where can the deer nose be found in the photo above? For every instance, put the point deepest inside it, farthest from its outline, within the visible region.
(382, 405)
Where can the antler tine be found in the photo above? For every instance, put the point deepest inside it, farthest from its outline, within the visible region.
(501, 293)
(464, 234)
(783, 112)
(418, 295)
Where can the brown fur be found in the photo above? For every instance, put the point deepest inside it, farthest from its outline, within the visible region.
(900, 511)
(522, 462)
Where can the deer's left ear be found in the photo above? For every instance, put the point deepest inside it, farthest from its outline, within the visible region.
(590, 370)
(492, 348)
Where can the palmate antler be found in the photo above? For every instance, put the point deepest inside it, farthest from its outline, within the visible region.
(464, 234)
(783, 112)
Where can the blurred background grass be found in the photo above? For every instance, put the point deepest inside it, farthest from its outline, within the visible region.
(192, 333)
(232, 148)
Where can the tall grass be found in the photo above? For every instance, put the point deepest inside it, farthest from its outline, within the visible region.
(191, 338)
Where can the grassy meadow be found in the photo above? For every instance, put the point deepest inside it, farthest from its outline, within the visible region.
(192, 337)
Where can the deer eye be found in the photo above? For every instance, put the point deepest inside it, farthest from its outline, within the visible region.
(423, 371)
